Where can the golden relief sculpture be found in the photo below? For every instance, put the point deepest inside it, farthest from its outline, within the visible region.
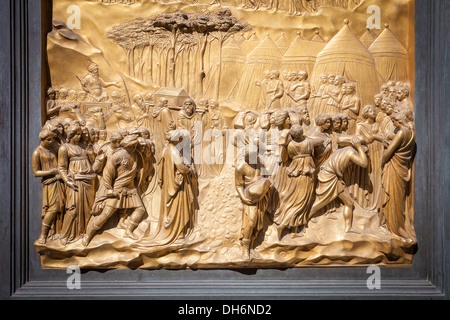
(248, 134)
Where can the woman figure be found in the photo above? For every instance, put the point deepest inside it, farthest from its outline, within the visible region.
(57, 128)
(300, 192)
(253, 190)
(45, 166)
(367, 181)
(85, 140)
(323, 130)
(74, 163)
(277, 140)
(95, 138)
(324, 150)
(396, 163)
(280, 135)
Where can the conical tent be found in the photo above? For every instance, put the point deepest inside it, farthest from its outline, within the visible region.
(233, 61)
(240, 39)
(346, 55)
(282, 43)
(250, 44)
(367, 38)
(302, 54)
(318, 38)
(265, 57)
(391, 57)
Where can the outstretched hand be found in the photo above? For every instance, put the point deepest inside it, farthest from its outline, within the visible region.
(247, 201)
(72, 186)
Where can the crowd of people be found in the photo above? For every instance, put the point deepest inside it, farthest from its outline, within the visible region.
(294, 169)
(292, 7)
(90, 172)
(86, 178)
(296, 7)
(288, 164)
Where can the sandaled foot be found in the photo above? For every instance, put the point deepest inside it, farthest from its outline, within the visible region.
(298, 235)
(86, 240)
(246, 255)
(130, 235)
(354, 231)
(255, 254)
(122, 225)
(42, 240)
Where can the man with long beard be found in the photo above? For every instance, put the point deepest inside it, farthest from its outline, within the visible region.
(93, 84)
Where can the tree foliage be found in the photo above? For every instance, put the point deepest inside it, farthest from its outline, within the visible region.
(171, 34)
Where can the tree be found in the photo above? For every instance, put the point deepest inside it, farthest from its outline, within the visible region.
(225, 26)
(127, 35)
(202, 26)
(153, 36)
(175, 35)
(175, 24)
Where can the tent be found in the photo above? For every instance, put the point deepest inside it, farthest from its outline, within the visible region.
(250, 44)
(241, 39)
(317, 37)
(282, 43)
(346, 55)
(367, 38)
(391, 57)
(233, 61)
(265, 57)
(302, 54)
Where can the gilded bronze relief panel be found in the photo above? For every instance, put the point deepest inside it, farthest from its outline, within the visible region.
(231, 134)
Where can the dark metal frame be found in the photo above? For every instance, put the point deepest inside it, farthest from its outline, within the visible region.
(21, 276)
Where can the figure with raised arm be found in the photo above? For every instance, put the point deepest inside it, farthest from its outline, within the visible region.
(299, 196)
(93, 84)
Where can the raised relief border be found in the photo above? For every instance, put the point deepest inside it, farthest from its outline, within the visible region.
(194, 135)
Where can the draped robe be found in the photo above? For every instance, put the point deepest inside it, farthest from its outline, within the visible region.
(396, 176)
(178, 201)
